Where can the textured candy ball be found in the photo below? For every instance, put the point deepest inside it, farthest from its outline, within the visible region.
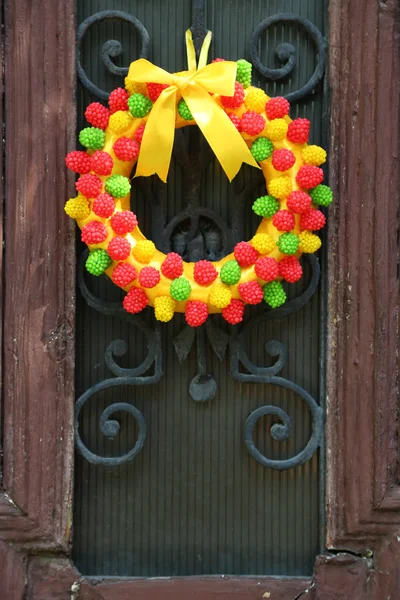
(255, 99)
(118, 100)
(230, 272)
(283, 159)
(149, 277)
(172, 266)
(164, 308)
(288, 243)
(245, 254)
(261, 149)
(77, 208)
(204, 272)
(263, 243)
(196, 313)
(217, 60)
(123, 222)
(276, 130)
(236, 121)
(126, 149)
(233, 313)
(252, 123)
(97, 261)
(283, 220)
(124, 274)
(274, 294)
(139, 105)
(135, 87)
(298, 202)
(236, 100)
(79, 162)
(314, 155)
(280, 187)
(309, 177)
(135, 300)
(251, 292)
(309, 242)
(322, 195)
(154, 90)
(97, 115)
(103, 206)
(184, 111)
(118, 186)
(277, 108)
(180, 289)
(266, 268)
(92, 138)
(312, 220)
(94, 232)
(265, 206)
(220, 295)
(243, 72)
(298, 131)
(119, 248)
(290, 269)
(89, 185)
(144, 251)
(102, 163)
(138, 136)
(120, 122)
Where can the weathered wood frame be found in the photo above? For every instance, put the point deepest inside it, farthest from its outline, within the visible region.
(363, 491)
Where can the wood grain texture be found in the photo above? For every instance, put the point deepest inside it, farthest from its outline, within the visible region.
(12, 573)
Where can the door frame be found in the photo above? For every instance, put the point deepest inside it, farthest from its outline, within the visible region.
(363, 492)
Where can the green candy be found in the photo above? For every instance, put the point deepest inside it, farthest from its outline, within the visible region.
(262, 149)
(118, 186)
(321, 195)
(274, 294)
(230, 272)
(180, 289)
(243, 73)
(184, 111)
(98, 261)
(288, 243)
(266, 206)
(92, 138)
(139, 105)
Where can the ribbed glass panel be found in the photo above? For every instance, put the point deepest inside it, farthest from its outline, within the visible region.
(194, 501)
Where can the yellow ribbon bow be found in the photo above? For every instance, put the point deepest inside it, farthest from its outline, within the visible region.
(195, 88)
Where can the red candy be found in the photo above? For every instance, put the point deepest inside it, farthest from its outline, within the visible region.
(102, 163)
(233, 313)
(298, 202)
(218, 60)
(283, 159)
(290, 269)
(155, 89)
(283, 220)
(312, 220)
(94, 233)
(118, 100)
(298, 131)
(236, 100)
(204, 272)
(126, 149)
(139, 134)
(236, 121)
(79, 162)
(149, 277)
(89, 185)
(196, 313)
(172, 267)
(267, 268)
(252, 122)
(97, 115)
(103, 206)
(309, 177)
(124, 274)
(245, 254)
(119, 248)
(135, 300)
(123, 222)
(251, 292)
(277, 108)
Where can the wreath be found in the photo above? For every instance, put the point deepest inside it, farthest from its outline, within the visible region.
(241, 124)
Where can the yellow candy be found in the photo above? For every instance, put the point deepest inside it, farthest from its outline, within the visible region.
(77, 208)
(119, 122)
(255, 99)
(133, 87)
(164, 308)
(309, 242)
(263, 243)
(277, 129)
(144, 251)
(280, 187)
(220, 295)
(314, 155)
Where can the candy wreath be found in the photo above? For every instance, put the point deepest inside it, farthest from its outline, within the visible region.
(257, 269)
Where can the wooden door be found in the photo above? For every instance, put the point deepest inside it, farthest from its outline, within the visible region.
(359, 558)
